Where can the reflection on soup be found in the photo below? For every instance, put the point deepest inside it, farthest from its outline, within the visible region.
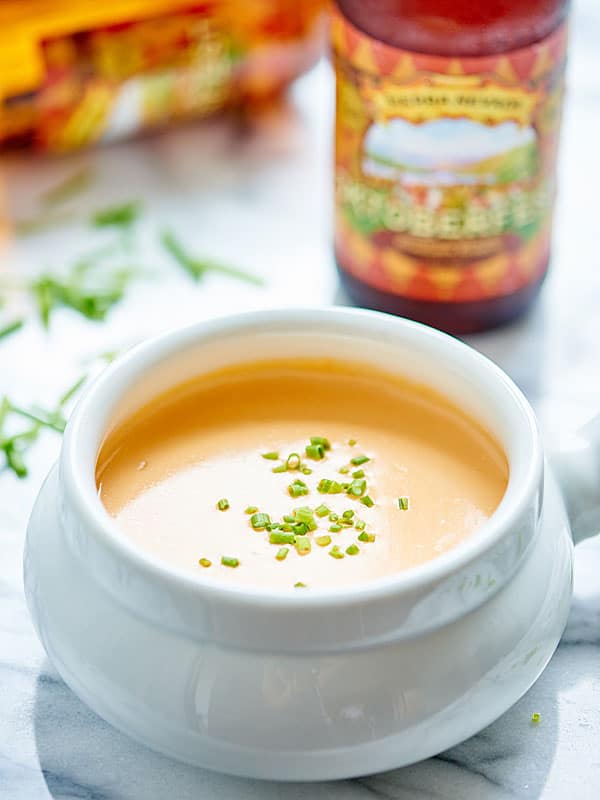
(297, 474)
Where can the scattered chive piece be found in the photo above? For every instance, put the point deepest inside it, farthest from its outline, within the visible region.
(348, 514)
(327, 486)
(272, 456)
(251, 510)
(322, 510)
(536, 717)
(286, 527)
(223, 504)
(322, 441)
(335, 528)
(299, 585)
(360, 524)
(403, 503)
(351, 442)
(345, 521)
(344, 470)
(275, 537)
(358, 487)
(304, 514)
(302, 545)
(333, 517)
(297, 489)
(297, 461)
(315, 451)
(197, 268)
(289, 518)
(11, 328)
(306, 471)
(366, 537)
(360, 473)
(122, 215)
(335, 552)
(352, 550)
(300, 528)
(70, 186)
(204, 562)
(282, 553)
(228, 561)
(260, 521)
(358, 460)
(280, 468)
(323, 541)
(367, 501)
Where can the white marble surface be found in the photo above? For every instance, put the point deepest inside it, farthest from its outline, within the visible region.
(261, 198)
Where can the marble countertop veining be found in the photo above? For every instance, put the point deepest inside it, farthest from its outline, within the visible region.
(261, 199)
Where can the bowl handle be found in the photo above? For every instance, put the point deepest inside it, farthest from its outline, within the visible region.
(576, 464)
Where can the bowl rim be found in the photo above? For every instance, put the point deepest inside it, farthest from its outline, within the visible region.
(155, 350)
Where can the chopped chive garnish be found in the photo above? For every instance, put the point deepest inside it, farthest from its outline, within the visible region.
(299, 528)
(358, 460)
(282, 553)
(333, 517)
(223, 504)
(204, 562)
(289, 518)
(272, 456)
(228, 561)
(344, 470)
(345, 486)
(306, 471)
(335, 528)
(536, 717)
(293, 461)
(348, 514)
(335, 552)
(345, 521)
(352, 550)
(304, 514)
(360, 524)
(403, 503)
(280, 468)
(358, 487)
(360, 473)
(366, 537)
(322, 510)
(297, 489)
(315, 451)
(299, 585)
(251, 510)
(367, 501)
(260, 521)
(351, 442)
(275, 537)
(286, 527)
(323, 541)
(302, 545)
(322, 441)
(327, 486)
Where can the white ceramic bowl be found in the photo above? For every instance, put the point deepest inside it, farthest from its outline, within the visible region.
(322, 683)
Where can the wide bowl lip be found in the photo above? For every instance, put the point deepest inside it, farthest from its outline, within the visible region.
(96, 519)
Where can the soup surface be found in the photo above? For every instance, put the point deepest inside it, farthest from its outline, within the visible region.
(360, 475)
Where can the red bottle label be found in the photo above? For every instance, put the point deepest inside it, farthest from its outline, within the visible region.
(445, 167)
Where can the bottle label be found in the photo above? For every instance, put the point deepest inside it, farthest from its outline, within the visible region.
(445, 167)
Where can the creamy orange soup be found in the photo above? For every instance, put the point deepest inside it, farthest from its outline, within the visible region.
(299, 474)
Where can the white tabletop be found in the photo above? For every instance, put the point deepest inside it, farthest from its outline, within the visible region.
(261, 199)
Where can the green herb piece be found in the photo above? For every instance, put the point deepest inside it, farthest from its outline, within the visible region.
(536, 718)
(251, 510)
(293, 462)
(304, 514)
(280, 468)
(335, 528)
(272, 456)
(72, 185)
(223, 504)
(259, 521)
(302, 545)
(300, 528)
(228, 561)
(360, 524)
(121, 216)
(321, 440)
(358, 460)
(335, 552)
(204, 562)
(366, 537)
(351, 442)
(282, 553)
(315, 451)
(333, 517)
(299, 585)
(322, 510)
(286, 527)
(352, 550)
(323, 541)
(297, 489)
(367, 501)
(277, 537)
(345, 521)
(306, 471)
(327, 486)
(344, 470)
(11, 328)
(358, 487)
(289, 518)
(348, 514)
(197, 268)
(403, 503)
(359, 473)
